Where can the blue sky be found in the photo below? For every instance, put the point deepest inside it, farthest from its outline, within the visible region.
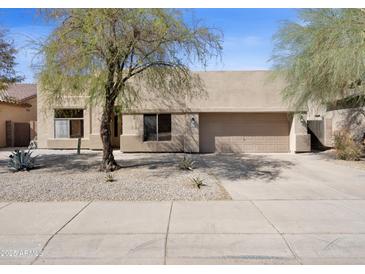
(247, 35)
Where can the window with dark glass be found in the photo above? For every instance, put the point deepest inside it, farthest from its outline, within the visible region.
(76, 128)
(69, 123)
(164, 127)
(149, 127)
(157, 127)
(116, 125)
(69, 113)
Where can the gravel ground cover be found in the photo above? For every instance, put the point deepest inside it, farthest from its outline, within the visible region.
(63, 175)
(330, 155)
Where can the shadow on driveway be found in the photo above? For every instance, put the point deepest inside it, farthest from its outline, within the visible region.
(245, 166)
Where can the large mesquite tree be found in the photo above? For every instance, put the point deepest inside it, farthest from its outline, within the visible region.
(107, 54)
(322, 55)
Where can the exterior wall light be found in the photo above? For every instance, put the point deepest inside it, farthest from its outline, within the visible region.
(193, 122)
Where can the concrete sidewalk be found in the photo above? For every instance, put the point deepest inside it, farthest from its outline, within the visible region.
(224, 232)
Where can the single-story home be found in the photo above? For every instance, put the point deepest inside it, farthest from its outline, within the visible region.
(18, 115)
(239, 111)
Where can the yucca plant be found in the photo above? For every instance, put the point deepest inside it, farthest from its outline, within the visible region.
(186, 164)
(21, 160)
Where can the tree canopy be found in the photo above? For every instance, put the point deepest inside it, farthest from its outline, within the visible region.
(93, 48)
(108, 54)
(322, 55)
(8, 74)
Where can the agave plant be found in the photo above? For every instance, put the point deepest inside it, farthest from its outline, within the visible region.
(109, 177)
(198, 182)
(186, 164)
(21, 160)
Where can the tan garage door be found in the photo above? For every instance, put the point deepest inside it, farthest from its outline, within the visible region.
(243, 132)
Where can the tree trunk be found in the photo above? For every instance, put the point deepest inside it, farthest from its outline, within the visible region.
(108, 163)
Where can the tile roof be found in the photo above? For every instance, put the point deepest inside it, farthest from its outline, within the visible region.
(18, 93)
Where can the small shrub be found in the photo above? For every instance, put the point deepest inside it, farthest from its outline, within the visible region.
(21, 160)
(346, 147)
(33, 144)
(109, 178)
(198, 182)
(186, 164)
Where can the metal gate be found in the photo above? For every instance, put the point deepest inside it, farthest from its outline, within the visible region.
(21, 134)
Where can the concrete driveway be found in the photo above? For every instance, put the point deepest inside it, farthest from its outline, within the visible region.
(288, 209)
(285, 177)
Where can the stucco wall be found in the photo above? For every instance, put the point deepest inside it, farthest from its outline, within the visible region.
(132, 138)
(233, 91)
(45, 124)
(300, 140)
(185, 133)
(16, 113)
(328, 122)
(33, 109)
(241, 91)
(224, 91)
(352, 120)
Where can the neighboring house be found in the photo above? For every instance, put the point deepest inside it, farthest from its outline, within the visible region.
(18, 115)
(240, 111)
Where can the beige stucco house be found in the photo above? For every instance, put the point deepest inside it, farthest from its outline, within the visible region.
(240, 111)
(18, 115)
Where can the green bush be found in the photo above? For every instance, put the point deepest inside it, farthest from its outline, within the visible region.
(346, 147)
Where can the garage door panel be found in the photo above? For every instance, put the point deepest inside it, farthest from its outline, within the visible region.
(244, 132)
(252, 144)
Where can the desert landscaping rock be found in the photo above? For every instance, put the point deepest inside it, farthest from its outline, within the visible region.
(66, 176)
